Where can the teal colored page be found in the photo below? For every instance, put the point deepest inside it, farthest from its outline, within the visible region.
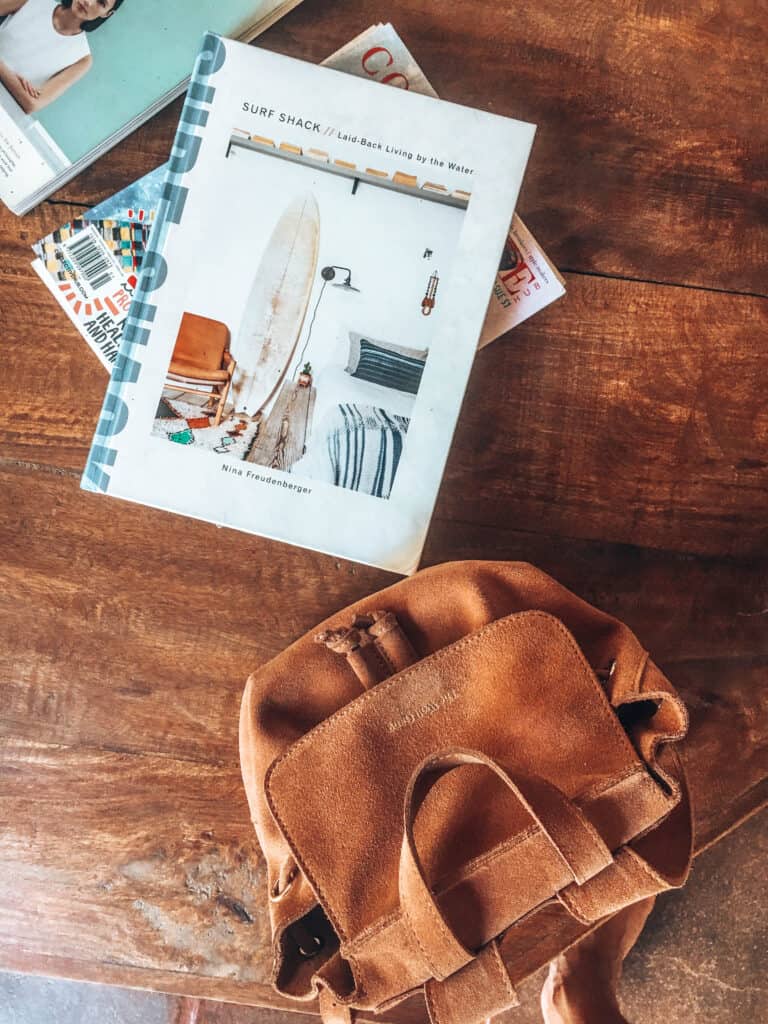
(144, 49)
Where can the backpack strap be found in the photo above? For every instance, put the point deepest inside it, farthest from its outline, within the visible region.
(468, 987)
(573, 837)
(480, 990)
(657, 861)
(374, 645)
(661, 860)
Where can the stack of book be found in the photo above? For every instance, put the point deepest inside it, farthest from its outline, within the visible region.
(290, 307)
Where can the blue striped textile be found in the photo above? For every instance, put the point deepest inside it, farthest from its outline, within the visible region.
(364, 448)
(390, 366)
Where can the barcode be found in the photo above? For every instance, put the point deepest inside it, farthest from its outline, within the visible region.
(91, 259)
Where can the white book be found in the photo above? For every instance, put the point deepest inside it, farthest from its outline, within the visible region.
(527, 280)
(90, 264)
(302, 332)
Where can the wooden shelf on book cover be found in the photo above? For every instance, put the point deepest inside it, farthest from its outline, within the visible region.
(397, 181)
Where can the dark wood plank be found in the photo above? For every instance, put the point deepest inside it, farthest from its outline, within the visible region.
(651, 156)
(126, 854)
(118, 634)
(141, 861)
(627, 412)
(683, 608)
(726, 754)
(619, 440)
(143, 871)
(125, 633)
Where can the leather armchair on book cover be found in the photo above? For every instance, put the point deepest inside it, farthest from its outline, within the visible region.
(202, 362)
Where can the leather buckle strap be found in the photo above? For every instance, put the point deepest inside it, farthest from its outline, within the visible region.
(374, 645)
(571, 835)
(651, 864)
(480, 990)
(628, 880)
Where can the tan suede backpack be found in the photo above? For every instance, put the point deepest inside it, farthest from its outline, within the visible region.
(452, 781)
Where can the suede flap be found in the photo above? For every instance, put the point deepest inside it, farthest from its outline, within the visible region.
(520, 691)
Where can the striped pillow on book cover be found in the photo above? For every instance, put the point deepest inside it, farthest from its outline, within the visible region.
(380, 362)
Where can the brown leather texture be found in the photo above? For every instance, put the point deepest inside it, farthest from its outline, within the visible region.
(440, 766)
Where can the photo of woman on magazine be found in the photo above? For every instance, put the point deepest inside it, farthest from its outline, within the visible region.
(44, 46)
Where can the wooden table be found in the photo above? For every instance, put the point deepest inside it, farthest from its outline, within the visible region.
(619, 439)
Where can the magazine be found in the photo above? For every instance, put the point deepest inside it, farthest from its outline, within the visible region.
(309, 307)
(77, 76)
(90, 265)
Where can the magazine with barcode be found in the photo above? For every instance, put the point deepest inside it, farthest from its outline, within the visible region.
(309, 306)
(77, 76)
(527, 280)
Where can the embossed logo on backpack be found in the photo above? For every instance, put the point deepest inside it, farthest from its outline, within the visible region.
(411, 717)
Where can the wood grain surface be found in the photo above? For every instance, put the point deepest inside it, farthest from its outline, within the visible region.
(619, 440)
(651, 156)
(283, 434)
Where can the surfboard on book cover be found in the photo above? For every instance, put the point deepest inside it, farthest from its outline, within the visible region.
(276, 306)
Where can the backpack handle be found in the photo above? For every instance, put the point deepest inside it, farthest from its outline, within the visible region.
(570, 833)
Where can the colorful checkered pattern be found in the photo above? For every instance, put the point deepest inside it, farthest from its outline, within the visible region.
(126, 240)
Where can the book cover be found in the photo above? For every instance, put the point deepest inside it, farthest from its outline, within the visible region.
(76, 76)
(91, 264)
(93, 282)
(309, 306)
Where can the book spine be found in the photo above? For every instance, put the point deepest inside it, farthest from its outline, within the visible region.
(127, 369)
